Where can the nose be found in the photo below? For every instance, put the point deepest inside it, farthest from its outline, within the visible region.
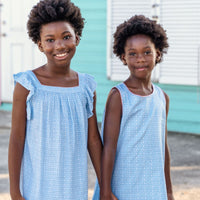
(140, 57)
(59, 44)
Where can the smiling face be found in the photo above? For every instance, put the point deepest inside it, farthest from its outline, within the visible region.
(140, 56)
(58, 42)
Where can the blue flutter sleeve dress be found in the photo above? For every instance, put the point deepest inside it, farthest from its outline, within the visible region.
(54, 164)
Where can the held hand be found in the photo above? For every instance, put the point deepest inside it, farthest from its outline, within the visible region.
(109, 197)
(113, 197)
(170, 196)
(18, 198)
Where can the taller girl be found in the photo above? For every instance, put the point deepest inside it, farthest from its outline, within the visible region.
(53, 117)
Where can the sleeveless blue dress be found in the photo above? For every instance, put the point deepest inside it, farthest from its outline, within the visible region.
(54, 164)
(138, 172)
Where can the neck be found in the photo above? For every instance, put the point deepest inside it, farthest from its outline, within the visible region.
(57, 70)
(139, 83)
(139, 86)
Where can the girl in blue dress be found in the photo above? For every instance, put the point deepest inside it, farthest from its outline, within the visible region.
(53, 117)
(135, 159)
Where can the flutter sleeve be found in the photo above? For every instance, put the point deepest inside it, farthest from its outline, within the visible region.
(26, 81)
(90, 89)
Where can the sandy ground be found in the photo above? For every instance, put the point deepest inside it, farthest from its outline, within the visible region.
(188, 186)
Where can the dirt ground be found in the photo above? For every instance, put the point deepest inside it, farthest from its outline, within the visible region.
(185, 166)
(186, 182)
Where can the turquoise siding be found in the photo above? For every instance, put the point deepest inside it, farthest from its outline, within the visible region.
(91, 52)
(184, 112)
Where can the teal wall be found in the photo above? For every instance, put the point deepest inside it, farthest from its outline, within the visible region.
(184, 113)
(91, 52)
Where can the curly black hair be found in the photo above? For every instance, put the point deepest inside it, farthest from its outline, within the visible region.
(47, 11)
(139, 24)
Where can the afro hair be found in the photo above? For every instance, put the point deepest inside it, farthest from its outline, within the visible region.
(140, 24)
(47, 11)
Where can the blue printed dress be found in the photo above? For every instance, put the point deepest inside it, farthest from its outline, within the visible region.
(138, 172)
(54, 164)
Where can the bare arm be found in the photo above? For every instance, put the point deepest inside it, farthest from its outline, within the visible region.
(94, 142)
(111, 133)
(167, 158)
(17, 137)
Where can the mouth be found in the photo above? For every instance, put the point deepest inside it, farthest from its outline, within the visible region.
(140, 68)
(61, 56)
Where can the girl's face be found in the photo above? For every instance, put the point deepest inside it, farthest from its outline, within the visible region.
(140, 56)
(58, 42)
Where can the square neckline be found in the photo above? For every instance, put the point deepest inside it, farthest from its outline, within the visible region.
(54, 87)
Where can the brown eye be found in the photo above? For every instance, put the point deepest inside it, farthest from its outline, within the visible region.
(67, 37)
(147, 52)
(132, 54)
(50, 40)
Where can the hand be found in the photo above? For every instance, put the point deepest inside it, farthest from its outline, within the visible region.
(110, 197)
(113, 197)
(18, 198)
(170, 196)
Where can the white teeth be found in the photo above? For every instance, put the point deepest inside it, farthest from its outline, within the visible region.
(60, 55)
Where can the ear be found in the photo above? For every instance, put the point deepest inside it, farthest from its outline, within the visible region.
(158, 56)
(40, 46)
(123, 59)
(77, 40)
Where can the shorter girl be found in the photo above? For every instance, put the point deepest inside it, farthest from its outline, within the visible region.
(53, 117)
(135, 160)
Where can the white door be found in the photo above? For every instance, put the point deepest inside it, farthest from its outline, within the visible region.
(182, 63)
(18, 52)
